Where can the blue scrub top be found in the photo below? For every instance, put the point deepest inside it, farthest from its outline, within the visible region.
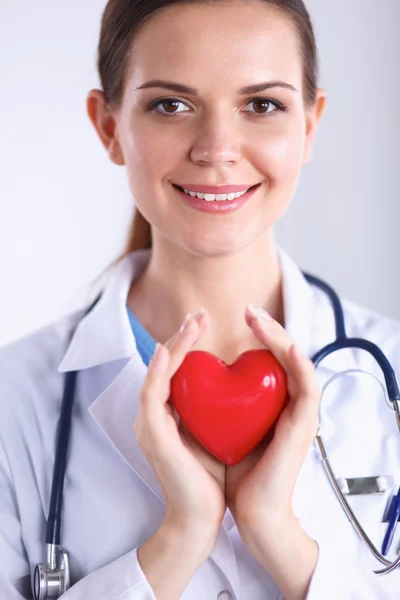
(146, 345)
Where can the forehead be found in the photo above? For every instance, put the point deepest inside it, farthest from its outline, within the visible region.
(215, 44)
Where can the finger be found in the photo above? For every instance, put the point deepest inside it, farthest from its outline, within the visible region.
(201, 318)
(279, 342)
(191, 331)
(173, 340)
(155, 385)
(173, 413)
(309, 388)
(271, 334)
(306, 371)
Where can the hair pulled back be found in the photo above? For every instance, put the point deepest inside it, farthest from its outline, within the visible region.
(120, 22)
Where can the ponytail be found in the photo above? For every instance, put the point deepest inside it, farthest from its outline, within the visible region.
(140, 234)
(139, 238)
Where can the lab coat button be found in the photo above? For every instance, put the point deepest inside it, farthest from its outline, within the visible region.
(224, 595)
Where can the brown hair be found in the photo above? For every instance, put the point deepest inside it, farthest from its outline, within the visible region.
(121, 20)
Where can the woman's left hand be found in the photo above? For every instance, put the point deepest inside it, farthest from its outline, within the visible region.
(259, 489)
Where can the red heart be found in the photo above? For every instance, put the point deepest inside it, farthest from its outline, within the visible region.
(229, 408)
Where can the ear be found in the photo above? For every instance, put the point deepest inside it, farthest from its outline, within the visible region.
(104, 121)
(313, 117)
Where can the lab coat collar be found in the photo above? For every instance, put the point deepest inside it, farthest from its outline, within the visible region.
(105, 334)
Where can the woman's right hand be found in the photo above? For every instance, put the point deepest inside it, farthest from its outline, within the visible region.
(192, 480)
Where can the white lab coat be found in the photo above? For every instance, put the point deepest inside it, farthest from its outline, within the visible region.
(112, 499)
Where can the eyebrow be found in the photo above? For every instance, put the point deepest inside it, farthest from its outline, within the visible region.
(184, 89)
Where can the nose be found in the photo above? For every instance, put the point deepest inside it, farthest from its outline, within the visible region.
(217, 141)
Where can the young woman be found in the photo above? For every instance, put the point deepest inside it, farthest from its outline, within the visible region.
(211, 97)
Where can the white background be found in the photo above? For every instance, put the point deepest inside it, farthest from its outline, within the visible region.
(65, 209)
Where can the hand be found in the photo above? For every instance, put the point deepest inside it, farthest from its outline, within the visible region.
(259, 489)
(192, 480)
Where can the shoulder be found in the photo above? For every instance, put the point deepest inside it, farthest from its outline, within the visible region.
(367, 323)
(29, 365)
(41, 348)
(361, 322)
(380, 329)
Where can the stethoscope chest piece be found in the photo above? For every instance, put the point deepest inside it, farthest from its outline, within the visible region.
(53, 580)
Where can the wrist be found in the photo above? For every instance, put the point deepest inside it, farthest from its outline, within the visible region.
(269, 531)
(287, 552)
(168, 547)
(202, 535)
(267, 524)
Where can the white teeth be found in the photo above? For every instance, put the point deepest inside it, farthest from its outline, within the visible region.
(217, 197)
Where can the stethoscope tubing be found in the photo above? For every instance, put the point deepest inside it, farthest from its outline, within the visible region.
(342, 341)
(60, 462)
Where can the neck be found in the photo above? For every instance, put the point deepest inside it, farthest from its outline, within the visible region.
(176, 282)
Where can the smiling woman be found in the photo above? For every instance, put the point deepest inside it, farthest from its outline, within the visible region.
(212, 106)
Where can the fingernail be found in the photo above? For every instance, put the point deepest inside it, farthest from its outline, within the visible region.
(260, 313)
(263, 315)
(156, 353)
(252, 309)
(188, 316)
(297, 353)
(200, 313)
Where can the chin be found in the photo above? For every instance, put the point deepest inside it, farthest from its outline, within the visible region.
(213, 248)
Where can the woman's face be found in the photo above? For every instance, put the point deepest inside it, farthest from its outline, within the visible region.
(217, 136)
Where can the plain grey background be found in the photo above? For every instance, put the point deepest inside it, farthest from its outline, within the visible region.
(65, 208)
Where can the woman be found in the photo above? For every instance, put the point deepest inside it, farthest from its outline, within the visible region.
(148, 512)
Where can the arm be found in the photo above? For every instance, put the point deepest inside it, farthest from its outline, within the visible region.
(286, 549)
(166, 549)
(289, 555)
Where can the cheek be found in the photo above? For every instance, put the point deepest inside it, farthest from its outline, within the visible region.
(279, 159)
(144, 155)
(151, 146)
(280, 156)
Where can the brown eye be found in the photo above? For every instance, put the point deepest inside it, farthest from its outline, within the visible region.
(169, 103)
(164, 102)
(262, 102)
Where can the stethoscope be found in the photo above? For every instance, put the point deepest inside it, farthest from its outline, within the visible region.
(53, 579)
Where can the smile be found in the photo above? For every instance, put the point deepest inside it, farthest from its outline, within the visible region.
(215, 197)
(216, 203)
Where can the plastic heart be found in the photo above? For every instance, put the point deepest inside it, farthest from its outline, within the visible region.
(229, 409)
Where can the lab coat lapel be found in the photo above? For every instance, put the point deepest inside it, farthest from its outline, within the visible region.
(115, 411)
(104, 337)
